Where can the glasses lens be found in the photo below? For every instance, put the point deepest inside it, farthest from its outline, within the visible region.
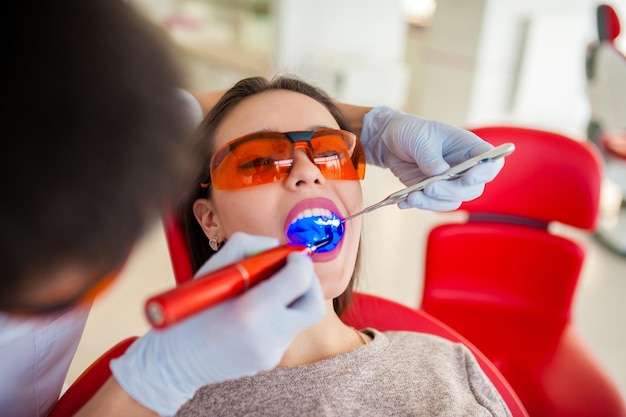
(267, 157)
(251, 161)
(339, 155)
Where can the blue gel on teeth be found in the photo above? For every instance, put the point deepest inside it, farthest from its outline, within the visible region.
(310, 230)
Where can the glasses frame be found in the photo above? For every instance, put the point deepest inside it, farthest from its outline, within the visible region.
(297, 139)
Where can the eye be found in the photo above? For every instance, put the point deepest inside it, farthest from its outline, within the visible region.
(331, 154)
(257, 164)
(330, 158)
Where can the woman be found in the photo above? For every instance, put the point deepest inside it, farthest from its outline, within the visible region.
(330, 368)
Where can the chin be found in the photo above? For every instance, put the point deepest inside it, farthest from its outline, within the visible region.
(332, 287)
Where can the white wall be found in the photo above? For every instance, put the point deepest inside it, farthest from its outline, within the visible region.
(550, 85)
(448, 60)
(354, 49)
(525, 65)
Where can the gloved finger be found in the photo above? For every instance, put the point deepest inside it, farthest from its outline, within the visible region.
(311, 306)
(287, 303)
(460, 145)
(481, 146)
(238, 246)
(482, 173)
(407, 172)
(453, 191)
(419, 200)
(303, 313)
(284, 287)
(429, 155)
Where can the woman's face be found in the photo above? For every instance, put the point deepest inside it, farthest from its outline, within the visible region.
(268, 208)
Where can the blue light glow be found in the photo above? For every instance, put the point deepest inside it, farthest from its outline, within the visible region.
(310, 230)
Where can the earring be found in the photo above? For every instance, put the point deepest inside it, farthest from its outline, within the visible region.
(214, 244)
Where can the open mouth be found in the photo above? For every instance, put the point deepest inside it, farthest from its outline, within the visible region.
(315, 225)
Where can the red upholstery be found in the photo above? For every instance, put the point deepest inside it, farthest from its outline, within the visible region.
(178, 249)
(614, 143)
(506, 282)
(89, 382)
(547, 173)
(607, 22)
(370, 311)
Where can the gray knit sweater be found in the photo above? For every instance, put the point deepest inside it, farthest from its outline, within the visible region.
(396, 374)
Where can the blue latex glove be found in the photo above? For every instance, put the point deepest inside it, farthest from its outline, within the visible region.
(163, 369)
(415, 148)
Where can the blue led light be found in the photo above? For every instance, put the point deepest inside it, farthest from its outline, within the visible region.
(310, 230)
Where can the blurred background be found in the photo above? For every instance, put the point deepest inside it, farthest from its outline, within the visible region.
(464, 62)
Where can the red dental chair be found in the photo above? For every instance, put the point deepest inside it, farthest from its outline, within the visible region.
(605, 66)
(365, 311)
(505, 278)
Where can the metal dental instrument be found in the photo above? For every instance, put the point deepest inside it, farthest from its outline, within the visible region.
(453, 173)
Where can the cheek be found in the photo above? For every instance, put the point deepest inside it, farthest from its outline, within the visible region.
(351, 195)
(247, 211)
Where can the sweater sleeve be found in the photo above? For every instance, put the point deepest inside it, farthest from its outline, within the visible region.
(483, 389)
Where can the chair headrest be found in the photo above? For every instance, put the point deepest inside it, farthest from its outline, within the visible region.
(549, 177)
(607, 22)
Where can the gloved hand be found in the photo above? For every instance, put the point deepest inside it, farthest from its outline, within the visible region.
(415, 148)
(163, 369)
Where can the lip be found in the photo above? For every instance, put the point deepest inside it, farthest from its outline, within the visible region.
(313, 203)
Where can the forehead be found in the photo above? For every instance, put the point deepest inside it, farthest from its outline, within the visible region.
(276, 110)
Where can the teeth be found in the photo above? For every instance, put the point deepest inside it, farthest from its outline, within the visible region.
(317, 212)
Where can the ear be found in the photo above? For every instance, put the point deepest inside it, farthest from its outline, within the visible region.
(207, 218)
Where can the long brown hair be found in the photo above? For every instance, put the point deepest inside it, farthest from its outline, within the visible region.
(197, 240)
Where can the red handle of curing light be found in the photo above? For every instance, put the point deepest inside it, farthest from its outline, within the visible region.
(193, 296)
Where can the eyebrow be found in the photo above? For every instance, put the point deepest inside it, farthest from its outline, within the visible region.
(310, 128)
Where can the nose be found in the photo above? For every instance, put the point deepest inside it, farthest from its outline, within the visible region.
(303, 171)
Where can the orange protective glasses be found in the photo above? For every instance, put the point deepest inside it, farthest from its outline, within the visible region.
(266, 157)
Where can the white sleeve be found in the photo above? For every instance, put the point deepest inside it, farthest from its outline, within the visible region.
(36, 353)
